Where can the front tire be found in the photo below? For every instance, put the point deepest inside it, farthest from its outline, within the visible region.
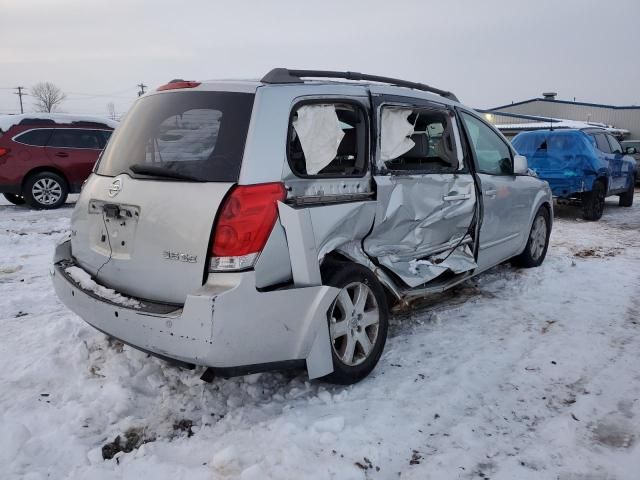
(358, 321)
(538, 242)
(46, 190)
(593, 201)
(626, 199)
(15, 199)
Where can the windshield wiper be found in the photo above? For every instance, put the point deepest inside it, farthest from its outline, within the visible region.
(162, 172)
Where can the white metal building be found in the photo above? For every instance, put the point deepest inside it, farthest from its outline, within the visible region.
(620, 117)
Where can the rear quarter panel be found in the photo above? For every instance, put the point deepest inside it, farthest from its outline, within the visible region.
(21, 158)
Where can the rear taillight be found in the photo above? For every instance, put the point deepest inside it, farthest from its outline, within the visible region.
(4, 151)
(244, 224)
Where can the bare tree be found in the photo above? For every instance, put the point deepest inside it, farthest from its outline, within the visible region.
(111, 109)
(47, 96)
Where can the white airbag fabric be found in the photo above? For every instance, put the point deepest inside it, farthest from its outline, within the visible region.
(395, 129)
(319, 132)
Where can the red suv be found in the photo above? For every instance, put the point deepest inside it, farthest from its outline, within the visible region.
(44, 157)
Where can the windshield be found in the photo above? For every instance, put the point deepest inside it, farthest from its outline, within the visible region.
(197, 135)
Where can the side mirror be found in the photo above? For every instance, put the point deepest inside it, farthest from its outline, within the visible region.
(631, 150)
(520, 165)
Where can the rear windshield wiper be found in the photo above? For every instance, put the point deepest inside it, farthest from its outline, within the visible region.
(163, 172)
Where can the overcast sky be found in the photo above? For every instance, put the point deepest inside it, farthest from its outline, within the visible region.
(488, 52)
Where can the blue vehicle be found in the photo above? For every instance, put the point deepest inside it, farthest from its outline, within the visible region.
(581, 166)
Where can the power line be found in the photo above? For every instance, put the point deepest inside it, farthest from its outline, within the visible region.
(20, 94)
(142, 87)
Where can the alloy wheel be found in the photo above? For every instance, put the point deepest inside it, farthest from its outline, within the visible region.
(354, 319)
(538, 237)
(46, 191)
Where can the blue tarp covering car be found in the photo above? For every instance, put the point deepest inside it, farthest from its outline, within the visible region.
(576, 169)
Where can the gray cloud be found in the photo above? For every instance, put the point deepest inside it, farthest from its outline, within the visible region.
(489, 52)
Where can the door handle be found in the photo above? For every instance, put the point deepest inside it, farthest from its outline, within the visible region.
(490, 193)
(453, 198)
(62, 154)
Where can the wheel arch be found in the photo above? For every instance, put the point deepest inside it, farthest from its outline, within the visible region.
(37, 170)
(391, 290)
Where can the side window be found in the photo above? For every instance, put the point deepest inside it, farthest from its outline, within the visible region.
(106, 134)
(328, 140)
(62, 139)
(601, 142)
(76, 138)
(615, 145)
(418, 140)
(492, 153)
(37, 138)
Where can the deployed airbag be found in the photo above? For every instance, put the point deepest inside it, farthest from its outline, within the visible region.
(394, 132)
(319, 132)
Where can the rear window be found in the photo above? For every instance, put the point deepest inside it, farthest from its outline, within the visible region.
(555, 144)
(196, 134)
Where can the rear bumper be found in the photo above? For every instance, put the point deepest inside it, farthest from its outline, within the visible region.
(9, 188)
(567, 187)
(226, 324)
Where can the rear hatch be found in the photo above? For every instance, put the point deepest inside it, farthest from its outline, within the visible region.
(563, 154)
(143, 222)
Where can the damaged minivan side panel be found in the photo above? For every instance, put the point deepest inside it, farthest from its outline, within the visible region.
(426, 196)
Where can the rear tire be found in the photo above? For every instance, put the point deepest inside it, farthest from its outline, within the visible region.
(538, 242)
(15, 199)
(626, 198)
(46, 190)
(358, 321)
(593, 201)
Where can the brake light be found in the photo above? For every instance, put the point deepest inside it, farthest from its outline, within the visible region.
(178, 84)
(4, 151)
(244, 224)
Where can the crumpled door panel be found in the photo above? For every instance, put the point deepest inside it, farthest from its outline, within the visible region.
(419, 217)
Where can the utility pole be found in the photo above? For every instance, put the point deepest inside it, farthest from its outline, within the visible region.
(20, 94)
(142, 87)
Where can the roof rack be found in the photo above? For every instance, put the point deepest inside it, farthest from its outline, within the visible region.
(284, 75)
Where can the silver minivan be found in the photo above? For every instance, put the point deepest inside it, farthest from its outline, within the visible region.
(256, 225)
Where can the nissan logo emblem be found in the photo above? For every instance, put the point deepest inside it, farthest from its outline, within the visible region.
(115, 187)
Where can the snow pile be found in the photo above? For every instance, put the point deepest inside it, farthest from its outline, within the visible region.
(8, 121)
(84, 280)
(517, 374)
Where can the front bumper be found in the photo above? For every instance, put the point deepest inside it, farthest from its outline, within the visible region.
(226, 324)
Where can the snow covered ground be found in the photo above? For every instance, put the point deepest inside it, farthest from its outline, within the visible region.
(518, 374)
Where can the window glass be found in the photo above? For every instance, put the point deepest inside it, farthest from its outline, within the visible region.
(348, 126)
(106, 134)
(37, 138)
(431, 146)
(188, 137)
(601, 142)
(76, 138)
(615, 145)
(200, 135)
(491, 152)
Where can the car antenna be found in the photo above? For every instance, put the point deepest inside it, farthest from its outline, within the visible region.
(551, 124)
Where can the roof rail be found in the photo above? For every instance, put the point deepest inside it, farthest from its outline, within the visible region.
(284, 75)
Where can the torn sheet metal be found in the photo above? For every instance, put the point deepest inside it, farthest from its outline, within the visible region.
(302, 246)
(335, 225)
(395, 129)
(420, 216)
(319, 132)
(418, 272)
